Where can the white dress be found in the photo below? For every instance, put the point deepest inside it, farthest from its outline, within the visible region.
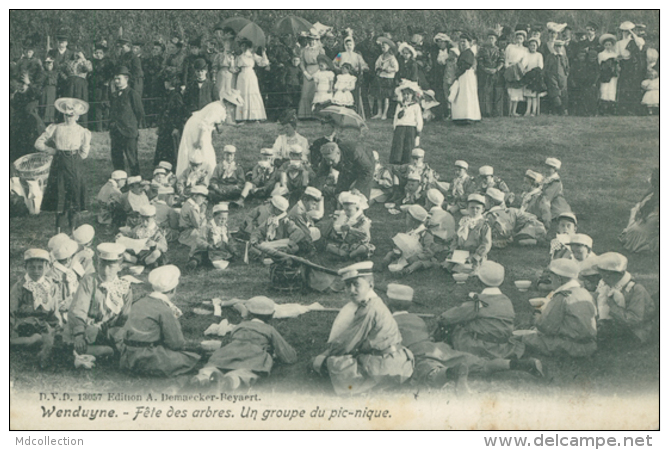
(197, 134)
(341, 97)
(224, 66)
(652, 95)
(607, 91)
(529, 62)
(465, 98)
(323, 80)
(247, 85)
(514, 54)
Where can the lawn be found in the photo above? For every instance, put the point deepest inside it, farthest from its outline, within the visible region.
(606, 163)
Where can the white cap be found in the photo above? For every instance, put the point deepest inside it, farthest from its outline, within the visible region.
(164, 278)
(400, 292)
(589, 267)
(435, 197)
(347, 197)
(220, 207)
(165, 165)
(495, 194)
(553, 162)
(581, 239)
(356, 270)
(313, 192)
(56, 240)
(260, 305)
(486, 170)
(158, 170)
(119, 175)
(134, 180)
(295, 149)
(491, 273)
(65, 249)
(627, 25)
(84, 234)
(564, 267)
(413, 175)
(612, 261)
(229, 149)
(415, 211)
(461, 163)
(279, 202)
(478, 198)
(569, 216)
(196, 157)
(199, 189)
(36, 253)
(267, 151)
(418, 152)
(536, 176)
(147, 211)
(110, 251)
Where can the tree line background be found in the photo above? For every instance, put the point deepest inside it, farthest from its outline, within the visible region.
(88, 26)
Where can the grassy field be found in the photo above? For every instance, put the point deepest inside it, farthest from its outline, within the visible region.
(606, 163)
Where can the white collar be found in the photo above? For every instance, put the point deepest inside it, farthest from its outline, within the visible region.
(501, 207)
(568, 285)
(255, 319)
(491, 291)
(159, 296)
(555, 176)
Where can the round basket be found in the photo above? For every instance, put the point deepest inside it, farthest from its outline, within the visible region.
(34, 166)
(286, 278)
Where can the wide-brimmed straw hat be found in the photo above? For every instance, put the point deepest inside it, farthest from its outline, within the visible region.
(71, 106)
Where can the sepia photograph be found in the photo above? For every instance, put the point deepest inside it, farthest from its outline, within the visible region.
(334, 219)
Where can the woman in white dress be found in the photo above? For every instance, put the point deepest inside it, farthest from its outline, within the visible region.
(358, 68)
(309, 66)
(247, 83)
(608, 74)
(197, 134)
(513, 70)
(465, 98)
(225, 72)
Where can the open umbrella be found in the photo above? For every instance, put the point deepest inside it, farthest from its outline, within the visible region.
(292, 25)
(344, 117)
(253, 33)
(236, 23)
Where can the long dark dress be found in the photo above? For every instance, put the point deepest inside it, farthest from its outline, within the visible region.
(25, 125)
(172, 118)
(48, 111)
(632, 73)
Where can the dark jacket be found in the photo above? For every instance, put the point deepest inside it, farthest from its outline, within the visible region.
(198, 96)
(126, 112)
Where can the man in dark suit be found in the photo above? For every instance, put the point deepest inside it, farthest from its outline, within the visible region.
(130, 61)
(98, 87)
(201, 90)
(61, 55)
(125, 114)
(154, 89)
(195, 53)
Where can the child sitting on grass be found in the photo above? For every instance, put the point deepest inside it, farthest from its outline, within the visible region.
(262, 180)
(126, 211)
(33, 306)
(228, 179)
(349, 235)
(250, 354)
(62, 276)
(473, 236)
(411, 248)
(155, 248)
(196, 174)
(192, 222)
(382, 188)
(82, 262)
(295, 175)
(109, 195)
(219, 244)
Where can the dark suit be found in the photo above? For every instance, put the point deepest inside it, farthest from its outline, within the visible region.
(125, 114)
(60, 65)
(134, 65)
(197, 95)
(354, 166)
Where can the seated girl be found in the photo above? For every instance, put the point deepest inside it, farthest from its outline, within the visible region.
(153, 252)
(288, 136)
(262, 180)
(33, 306)
(349, 235)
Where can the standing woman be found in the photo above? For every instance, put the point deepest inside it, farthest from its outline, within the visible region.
(632, 70)
(534, 78)
(225, 70)
(69, 143)
(49, 91)
(309, 66)
(465, 98)
(359, 66)
(513, 73)
(608, 74)
(252, 107)
(77, 86)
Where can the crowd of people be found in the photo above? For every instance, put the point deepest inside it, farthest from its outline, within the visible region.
(311, 200)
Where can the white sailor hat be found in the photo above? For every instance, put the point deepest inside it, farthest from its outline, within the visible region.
(486, 170)
(294, 148)
(612, 261)
(267, 151)
(347, 197)
(119, 175)
(229, 149)
(220, 207)
(553, 162)
(627, 25)
(261, 305)
(65, 249)
(165, 165)
(313, 192)
(564, 267)
(56, 240)
(413, 175)
(84, 234)
(147, 211)
(491, 273)
(589, 267)
(581, 239)
(199, 190)
(196, 157)
(435, 197)
(36, 253)
(536, 176)
(415, 211)
(495, 194)
(568, 216)
(356, 270)
(159, 170)
(279, 202)
(164, 278)
(134, 180)
(419, 152)
(399, 292)
(476, 198)
(462, 164)
(110, 251)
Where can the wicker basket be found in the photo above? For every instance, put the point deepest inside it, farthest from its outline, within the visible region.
(34, 166)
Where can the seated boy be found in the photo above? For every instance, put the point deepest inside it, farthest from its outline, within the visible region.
(219, 244)
(412, 249)
(418, 171)
(487, 179)
(473, 236)
(349, 235)
(62, 276)
(155, 248)
(277, 232)
(193, 223)
(295, 175)
(82, 262)
(170, 177)
(109, 195)
(262, 180)
(440, 222)
(126, 210)
(552, 190)
(510, 225)
(167, 217)
(307, 210)
(228, 179)
(567, 226)
(382, 187)
(196, 174)
(33, 306)
(461, 186)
